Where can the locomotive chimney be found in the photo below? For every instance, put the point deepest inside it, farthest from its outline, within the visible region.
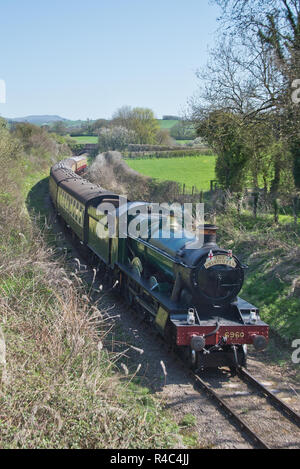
(209, 232)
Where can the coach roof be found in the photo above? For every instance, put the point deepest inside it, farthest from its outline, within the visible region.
(60, 174)
(85, 191)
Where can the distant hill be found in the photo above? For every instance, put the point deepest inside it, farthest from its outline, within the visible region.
(50, 119)
(37, 120)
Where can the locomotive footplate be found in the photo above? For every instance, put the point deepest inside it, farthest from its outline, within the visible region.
(233, 329)
(234, 334)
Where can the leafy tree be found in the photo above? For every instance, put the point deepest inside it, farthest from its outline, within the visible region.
(99, 124)
(163, 137)
(122, 116)
(276, 25)
(25, 131)
(116, 138)
(183, 130)
(264, 152)
(36, 140)
(295, 149)
(144, 124)
(10, 147)
(243, 79)
(224, 132)
(59, 128)
(140, 120)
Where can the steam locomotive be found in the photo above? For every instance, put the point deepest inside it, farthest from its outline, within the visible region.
(189, 295)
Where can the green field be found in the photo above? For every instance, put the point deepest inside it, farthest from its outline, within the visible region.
(86, 139)
(183, 142)
(166, 124)
(192, 171)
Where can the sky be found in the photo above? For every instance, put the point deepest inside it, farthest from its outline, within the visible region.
(85, 59)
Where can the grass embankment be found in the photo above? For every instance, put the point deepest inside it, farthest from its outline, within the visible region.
(273, 254)
(183, 142)
(167, 124)
(59, 382)
(85, 139)
(192, 171)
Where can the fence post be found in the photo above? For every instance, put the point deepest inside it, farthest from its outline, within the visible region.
(295, 209)
(239, 202)
(255, 203)
(276, 210)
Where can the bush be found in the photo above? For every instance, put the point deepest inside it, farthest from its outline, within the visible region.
(169, 154)
(183, 131)
(116, 138)
(38, 142)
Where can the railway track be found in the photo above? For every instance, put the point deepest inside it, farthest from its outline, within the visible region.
(276, 401)
(257, 440)
(240, 422)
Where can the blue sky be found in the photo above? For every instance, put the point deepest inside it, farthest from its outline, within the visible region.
(84, 59)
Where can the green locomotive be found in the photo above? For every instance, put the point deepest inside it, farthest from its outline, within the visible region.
(189, 295)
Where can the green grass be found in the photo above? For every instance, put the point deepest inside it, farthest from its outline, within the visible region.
(166, 124)
(188, 420)
(183, 142)
(86, 139)
(270, 251)
(192, 171)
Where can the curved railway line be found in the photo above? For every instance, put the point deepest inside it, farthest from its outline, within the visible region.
(260, 442)
(239, 421)
(260, 416)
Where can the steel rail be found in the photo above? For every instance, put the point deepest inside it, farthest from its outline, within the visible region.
(259, 442)
(288, 411)
(240, 422)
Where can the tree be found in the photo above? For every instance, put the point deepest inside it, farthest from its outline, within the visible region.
(10, 147)
(224, 132)
(141, 120)
(36, 140)
(99, 124)
(276, 24)
(235, 111)
(122, 116)
(183, 130)
(59, 128)
(116, 138)
(145, 125)
(163, 137)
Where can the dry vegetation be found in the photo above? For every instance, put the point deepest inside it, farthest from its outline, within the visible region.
(111, 171)
(60, 383)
